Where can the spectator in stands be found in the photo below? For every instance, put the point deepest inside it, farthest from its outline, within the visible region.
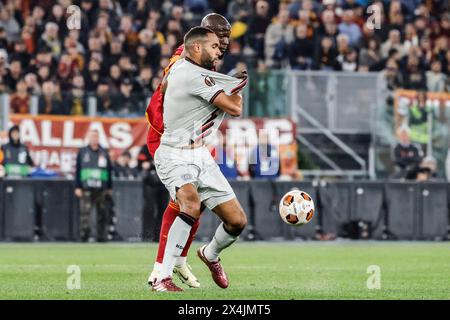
(349, 27)
(44, 74)
(393, 42)
(349, 61)
(126, 103)
(370, 54)
(418, 120)
(326, 55)
(37, 20)
(139, 10)
(3, 39)
(33, 86)
(414, 75)
(50, 38)
(20, 100)
(328, 28)
(122, 168)
(114, 79)
(127, 34)
(149, 40)
(65, 71)
(257, 27)
(50, 102)
(57, 16)
(342, 44)
(43, 58)
(427, 170)
(127, 67)
(104, 99)
(435, 78)
(239, 10)
(20, 53)
(301, 50)
(14, 74)
(9, 24)
(407, 156)
(393, 77)
(279, 35)
(233, 56)
(75, 102)
(92, 75)
(144, 81)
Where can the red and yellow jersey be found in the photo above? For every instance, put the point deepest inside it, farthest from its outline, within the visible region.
(154, 112)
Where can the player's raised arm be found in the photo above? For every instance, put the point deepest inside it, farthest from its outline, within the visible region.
(202, 48)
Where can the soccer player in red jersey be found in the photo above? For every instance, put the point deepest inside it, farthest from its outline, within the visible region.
(154, 113)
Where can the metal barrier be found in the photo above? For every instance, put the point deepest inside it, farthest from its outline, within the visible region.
(342, 102)
(128, 198)
(327, 107)
(433, 203)
(54, 209)
(18, 210)
(387, 209)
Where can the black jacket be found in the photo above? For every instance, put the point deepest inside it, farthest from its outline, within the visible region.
(93, 169)
(16, 154)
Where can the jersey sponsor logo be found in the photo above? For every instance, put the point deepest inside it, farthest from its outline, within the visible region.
(209, 81)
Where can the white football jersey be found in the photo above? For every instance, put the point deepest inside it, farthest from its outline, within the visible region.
(188, 111)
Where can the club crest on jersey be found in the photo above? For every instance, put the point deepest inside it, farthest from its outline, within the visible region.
(187, 176)
(209, 81)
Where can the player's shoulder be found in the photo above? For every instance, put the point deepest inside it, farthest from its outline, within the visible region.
(186, 70)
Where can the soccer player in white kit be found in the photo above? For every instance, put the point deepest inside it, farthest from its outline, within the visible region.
(196, 100)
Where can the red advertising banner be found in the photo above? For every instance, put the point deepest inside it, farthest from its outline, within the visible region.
(54, 141)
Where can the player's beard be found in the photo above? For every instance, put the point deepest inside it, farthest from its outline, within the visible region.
(206, 60)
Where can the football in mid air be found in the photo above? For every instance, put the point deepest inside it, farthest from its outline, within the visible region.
(296, 208)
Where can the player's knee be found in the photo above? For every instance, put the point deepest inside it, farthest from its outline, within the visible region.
(189, 202)
(192, 208)
(237, 225)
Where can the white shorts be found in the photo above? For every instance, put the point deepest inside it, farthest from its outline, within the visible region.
(176, 167)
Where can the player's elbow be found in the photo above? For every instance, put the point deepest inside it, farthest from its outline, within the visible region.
(236, 107)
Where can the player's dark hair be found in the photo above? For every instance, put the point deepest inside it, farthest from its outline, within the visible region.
(195, 34)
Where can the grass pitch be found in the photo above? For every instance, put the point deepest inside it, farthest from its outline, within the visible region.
(291, 270)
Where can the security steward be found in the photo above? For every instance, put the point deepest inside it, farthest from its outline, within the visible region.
(17, 161)
(93, 186)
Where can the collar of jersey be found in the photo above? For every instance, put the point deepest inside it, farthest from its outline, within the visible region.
(193, 62)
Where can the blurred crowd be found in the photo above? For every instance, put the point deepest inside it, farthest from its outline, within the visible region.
(122, 47)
